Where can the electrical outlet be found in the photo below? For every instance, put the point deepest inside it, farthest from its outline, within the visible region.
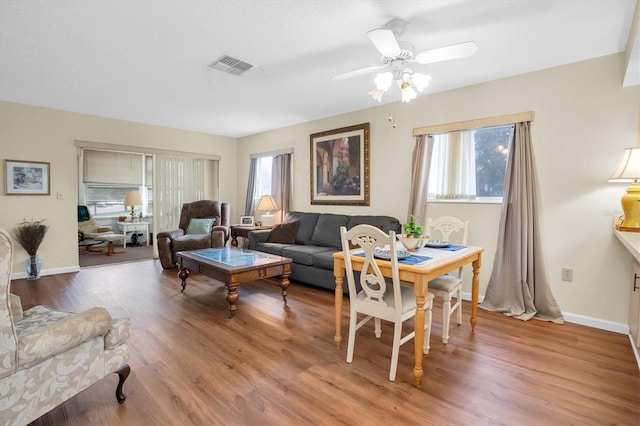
(567, 274)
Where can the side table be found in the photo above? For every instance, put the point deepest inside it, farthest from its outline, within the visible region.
(134, 227)
(243, 231)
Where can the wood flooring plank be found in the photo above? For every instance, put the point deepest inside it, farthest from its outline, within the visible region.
(276, 363)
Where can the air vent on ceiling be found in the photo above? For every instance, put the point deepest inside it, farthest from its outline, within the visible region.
(230, 65)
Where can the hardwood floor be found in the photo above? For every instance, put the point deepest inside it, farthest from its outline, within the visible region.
(274, 365)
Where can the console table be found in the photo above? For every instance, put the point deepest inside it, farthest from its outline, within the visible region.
(134, 227)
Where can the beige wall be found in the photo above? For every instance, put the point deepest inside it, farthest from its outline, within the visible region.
(583, 119)
(40, 134)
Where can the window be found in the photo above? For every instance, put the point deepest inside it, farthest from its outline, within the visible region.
(270, 174)
(469, 164)
(263, 179)
(108, 175)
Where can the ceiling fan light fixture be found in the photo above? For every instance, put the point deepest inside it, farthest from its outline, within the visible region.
(421, 81)
(383, 81)
(377, 94)
(408, 94)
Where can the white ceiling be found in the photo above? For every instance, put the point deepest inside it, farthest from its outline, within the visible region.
(147, 61)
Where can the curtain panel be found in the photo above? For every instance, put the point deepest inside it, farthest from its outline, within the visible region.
(251, 187)
(518, 285)
(281, 184)
(178, 180)
(420, 165)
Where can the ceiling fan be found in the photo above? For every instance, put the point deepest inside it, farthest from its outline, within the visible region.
(397, 55)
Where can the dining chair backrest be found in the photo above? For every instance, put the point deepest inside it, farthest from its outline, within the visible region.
(447, 225)
(373, 283)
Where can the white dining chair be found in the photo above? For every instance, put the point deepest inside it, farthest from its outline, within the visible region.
(379, 298)
(446, 286)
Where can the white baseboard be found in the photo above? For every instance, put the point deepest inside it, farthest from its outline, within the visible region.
(616, 327)
(45, 272)
(578, 319)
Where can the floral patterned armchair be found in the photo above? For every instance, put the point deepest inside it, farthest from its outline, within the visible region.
(47, 356)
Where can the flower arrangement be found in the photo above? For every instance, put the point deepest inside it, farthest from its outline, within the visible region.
(30, 235)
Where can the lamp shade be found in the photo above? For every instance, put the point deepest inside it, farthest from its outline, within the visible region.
(628, 169)
(132, 198)
(266, 203)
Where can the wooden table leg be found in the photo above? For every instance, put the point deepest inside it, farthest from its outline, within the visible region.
(284, 281)
(420, 290)
(338, 270)
(183, 274)
(232, 293)
(475, 290)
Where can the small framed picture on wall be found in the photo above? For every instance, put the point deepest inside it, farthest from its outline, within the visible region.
(26, 177)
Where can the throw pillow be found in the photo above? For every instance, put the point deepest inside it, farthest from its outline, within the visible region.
(285, 233)
(200, 226)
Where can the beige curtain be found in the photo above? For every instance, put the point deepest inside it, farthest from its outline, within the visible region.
(281, 184)
(251, 187)
(421, 162)
(178, 180)
(518, 285)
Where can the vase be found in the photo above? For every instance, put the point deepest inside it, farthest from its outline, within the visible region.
(33, 266)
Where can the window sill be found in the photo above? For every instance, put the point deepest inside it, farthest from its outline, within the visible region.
(483, 200)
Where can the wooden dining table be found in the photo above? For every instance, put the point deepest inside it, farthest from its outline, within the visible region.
(442, 261)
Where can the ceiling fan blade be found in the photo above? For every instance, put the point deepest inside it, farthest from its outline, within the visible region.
(356, 73)
(385, 41)
(455, 51)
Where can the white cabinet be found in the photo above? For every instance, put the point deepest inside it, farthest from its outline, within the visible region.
(634, 305)
(134, 227)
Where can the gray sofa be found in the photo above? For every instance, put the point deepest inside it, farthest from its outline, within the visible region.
(316, 239)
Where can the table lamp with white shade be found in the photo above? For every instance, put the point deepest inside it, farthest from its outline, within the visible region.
(132, 198)
(628, 170)
(266, 203)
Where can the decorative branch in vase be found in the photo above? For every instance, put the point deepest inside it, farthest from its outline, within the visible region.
(30, 235)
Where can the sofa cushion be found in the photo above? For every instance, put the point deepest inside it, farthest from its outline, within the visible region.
(386, 223)
(271, 248)
(284, 233)
(303, 254)
(306, 225)
(191, 242)
(324, 260)
(327, 230)
(200, 226)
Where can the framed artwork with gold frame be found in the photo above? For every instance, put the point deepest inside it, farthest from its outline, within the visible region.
(340, 166)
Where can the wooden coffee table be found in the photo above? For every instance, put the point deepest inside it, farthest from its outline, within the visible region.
(234, 266)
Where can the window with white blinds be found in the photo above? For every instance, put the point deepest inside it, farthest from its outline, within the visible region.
(113, 167)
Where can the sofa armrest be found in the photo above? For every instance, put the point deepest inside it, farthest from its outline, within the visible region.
(170, 234)
(16, 307)
(37, 343)
(260, 236)
(225, 231)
